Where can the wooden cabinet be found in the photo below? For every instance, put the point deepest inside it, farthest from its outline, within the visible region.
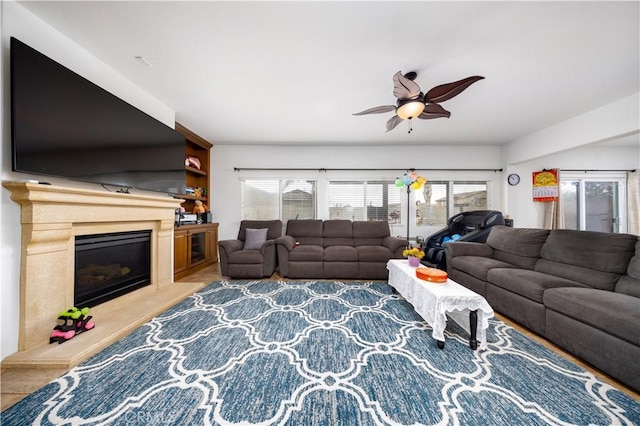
(180, 249)
(212, 242)
(194, 247)
(196, 178)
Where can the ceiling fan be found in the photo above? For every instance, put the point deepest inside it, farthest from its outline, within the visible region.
(413, 103)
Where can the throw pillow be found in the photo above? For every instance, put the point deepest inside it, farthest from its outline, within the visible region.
(255, 238)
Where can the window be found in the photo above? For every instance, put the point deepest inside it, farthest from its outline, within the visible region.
(469, 196)
(434, 204)
(365, 200)
(282, 199)
(594, 203)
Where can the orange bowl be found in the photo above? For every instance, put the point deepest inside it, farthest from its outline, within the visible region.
(432, 275)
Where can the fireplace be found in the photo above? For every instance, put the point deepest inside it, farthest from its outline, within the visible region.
(110, 265)
(52, 219)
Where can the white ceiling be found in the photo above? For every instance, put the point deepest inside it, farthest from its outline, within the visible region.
(295, 72)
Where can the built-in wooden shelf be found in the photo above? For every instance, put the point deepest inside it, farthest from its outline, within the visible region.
(189, 197)
(200, 148)
(196, 171)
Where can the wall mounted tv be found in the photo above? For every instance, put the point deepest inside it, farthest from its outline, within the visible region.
(64, 125)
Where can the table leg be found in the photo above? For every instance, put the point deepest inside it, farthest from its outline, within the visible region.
(473, 326)
(440, 344)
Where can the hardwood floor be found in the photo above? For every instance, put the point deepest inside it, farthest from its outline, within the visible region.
(16, 383)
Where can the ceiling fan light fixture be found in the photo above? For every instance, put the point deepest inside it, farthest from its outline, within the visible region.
(413, 103)
(409, 108)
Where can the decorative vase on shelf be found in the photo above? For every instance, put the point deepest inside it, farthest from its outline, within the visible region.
(413, 261)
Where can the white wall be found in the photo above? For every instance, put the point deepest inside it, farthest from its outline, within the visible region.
(571, 145)
(225, 182)
(529, 214)
(18, 22)
(607, 122)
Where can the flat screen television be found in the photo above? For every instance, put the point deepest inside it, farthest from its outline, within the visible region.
(64, 125)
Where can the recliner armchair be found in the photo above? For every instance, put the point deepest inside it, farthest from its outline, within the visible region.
(472, 226)
(253, 253)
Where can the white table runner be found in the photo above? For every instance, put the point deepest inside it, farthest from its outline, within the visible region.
(433, 301)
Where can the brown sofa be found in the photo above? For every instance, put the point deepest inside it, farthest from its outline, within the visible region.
(337, 249)
(579, 289)
(238, 259)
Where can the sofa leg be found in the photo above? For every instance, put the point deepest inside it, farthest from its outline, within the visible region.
(440, 344)
(473, 327)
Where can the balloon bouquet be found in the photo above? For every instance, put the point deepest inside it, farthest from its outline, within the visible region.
(412, 181)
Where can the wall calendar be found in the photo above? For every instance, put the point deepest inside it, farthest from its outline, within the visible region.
(545, 185)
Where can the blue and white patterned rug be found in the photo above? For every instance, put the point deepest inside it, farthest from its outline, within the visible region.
(318, 353)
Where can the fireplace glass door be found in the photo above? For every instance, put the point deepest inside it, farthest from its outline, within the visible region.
(110, 265)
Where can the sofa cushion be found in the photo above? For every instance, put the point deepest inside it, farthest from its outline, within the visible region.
(614, 313)
(274, 227)
(630, 283)
(373, 254)
(245, 257)
(306, 253)
(305, 231)
(629, 286)
(530, 284)
(517, 246)
(587, 276)
(340, 254)
(597, 259)
(477, 266)
(367, 233)
(255, 238)
(633, 269)
(337, 229)
(598, 251)
(337, 233)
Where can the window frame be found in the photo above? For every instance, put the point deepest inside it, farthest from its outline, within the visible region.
(367, 197)
(281, 182)
(619, 177)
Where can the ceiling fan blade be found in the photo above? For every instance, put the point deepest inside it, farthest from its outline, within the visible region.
(404, 88)
(434, 111)
(447, 91)
(377, 110)
(393, 122)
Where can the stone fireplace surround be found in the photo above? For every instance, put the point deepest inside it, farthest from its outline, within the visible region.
(51, 218)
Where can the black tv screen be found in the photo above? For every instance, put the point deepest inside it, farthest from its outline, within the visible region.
(64, 125)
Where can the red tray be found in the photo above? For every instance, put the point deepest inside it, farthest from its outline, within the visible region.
(432, 275)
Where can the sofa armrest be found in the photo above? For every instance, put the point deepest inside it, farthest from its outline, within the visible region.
(287, 242)
(395, 244)
(266, 245)
(230, 246)
(225, 248)
(462, 248)
(284, 245)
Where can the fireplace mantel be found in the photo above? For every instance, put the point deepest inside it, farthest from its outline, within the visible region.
(51, 217)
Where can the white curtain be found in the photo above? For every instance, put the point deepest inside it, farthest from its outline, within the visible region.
(553, 211)
(633, 198)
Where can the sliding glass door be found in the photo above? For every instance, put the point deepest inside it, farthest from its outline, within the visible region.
(594, 203)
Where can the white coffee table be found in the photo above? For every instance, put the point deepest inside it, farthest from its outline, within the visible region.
(434, 301)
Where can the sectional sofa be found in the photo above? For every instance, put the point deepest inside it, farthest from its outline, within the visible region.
(578, 289)
(337, 249)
